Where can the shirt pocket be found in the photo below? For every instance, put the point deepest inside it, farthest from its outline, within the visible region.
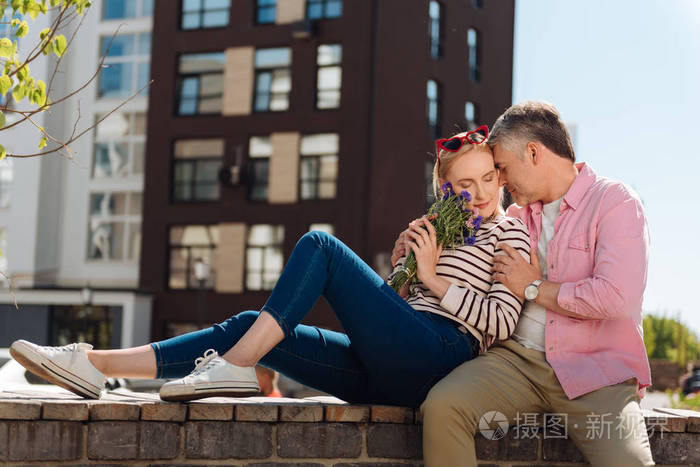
(579, 242)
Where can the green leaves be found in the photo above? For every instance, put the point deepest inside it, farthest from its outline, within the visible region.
(3, 152)
(43, 141)
(5, 84)
(2, 119)
(60, 45)
(6, 47)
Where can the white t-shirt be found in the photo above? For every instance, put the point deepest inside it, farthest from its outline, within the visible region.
(529, 332)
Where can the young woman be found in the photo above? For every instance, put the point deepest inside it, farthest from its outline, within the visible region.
(393, 349)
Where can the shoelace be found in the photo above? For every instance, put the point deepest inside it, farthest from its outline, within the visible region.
(202, 363)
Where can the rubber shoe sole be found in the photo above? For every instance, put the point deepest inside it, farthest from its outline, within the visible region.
(219, 391)
(41, 366)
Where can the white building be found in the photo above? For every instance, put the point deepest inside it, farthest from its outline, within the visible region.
(70, 229)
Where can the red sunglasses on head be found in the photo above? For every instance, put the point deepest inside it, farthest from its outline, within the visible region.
(453, 144)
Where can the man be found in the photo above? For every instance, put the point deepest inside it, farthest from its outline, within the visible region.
(577, 351)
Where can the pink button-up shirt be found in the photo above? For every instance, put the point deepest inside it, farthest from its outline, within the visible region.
(599, 254)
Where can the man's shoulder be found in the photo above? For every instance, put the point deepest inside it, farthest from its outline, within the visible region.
(517, 212)
(608, 190)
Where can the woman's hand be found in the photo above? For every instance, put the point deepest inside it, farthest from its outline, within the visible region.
(424, 245)
(399, 248)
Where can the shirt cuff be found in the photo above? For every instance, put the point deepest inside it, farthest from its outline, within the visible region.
(566, 297)
(452, 299)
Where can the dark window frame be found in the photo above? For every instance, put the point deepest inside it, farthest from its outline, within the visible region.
(265, 7)
(474, 57)
(312, 4)
(339, 89)
(316, 180)
(202, 10)
(179, 81)
(437, 41)
(436, 128)
(193, 182)
(261, 270)
(189, 264)
(252, 182)
(270, 95)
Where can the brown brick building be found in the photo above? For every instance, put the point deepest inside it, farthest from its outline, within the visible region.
(268, 118)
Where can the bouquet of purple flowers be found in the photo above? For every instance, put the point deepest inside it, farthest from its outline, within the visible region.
(454, 223)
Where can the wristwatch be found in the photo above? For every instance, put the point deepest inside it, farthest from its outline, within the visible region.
(532, 290)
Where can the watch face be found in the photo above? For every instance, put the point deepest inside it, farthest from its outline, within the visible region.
(530, 292)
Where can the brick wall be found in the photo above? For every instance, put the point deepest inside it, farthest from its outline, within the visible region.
(139, 430)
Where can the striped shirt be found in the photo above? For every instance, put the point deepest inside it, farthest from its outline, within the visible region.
(485, 307)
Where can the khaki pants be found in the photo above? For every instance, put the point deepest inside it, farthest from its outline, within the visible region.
(607, 424)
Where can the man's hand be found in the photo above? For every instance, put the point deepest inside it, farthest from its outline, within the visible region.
(513, 271)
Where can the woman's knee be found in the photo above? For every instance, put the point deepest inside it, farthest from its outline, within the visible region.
(317, 238)
(240, 322)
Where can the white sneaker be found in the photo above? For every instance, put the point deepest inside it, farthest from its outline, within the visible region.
(66, 366)
(212, 376)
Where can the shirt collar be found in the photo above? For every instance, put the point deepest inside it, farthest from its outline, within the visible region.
(573, 197)
(581, 184)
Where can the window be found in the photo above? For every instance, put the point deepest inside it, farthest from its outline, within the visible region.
(317, 9)
(273, 79)
(433, 93)
(259, 152)
(188, 244)
(6, 176)
(120, 145)
(329, 76)
(328, 228)
(196, 169)
(266, 11)
(126, 66)
(200, 14)
(435, 31)
(200, 83)
(474, 55)
(120, 9)
(114, 226)
(264, 258)
(84, 323)
(319, 166)
(471, 115)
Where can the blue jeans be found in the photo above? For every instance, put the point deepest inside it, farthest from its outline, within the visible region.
(390, 354)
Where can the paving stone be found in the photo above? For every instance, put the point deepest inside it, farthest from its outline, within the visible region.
(163, 412)
(318, 440)
(209, 411)
(347, 413)
(301, 413)
(510, 447)
(65, 410)
(44, 441)
(675, 448)
(392, 440)
(391, 414)
(223, 440)
(4, 429)
(692, 416)
(114, 411)
(159, 440)
(665, 421)
(561, 450)
(20, 410)
(112, 440)
(256, 413)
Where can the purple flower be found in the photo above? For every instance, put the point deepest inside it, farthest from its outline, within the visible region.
(465, 194)
(477, 222)
(446, 187)
(471, 240)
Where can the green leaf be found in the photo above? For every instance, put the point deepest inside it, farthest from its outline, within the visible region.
(19, 92)
(22, 29)
(60, 45)
(43, 141)
(3, 152)
(15, 22)
(43, 33)
(2, 119)
(22, 73)
(5, 84)
(5, 47)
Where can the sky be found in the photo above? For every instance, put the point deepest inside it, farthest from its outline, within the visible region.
(626, 75)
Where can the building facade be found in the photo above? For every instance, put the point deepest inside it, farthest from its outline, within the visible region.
(70, 227)
(268, 119)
